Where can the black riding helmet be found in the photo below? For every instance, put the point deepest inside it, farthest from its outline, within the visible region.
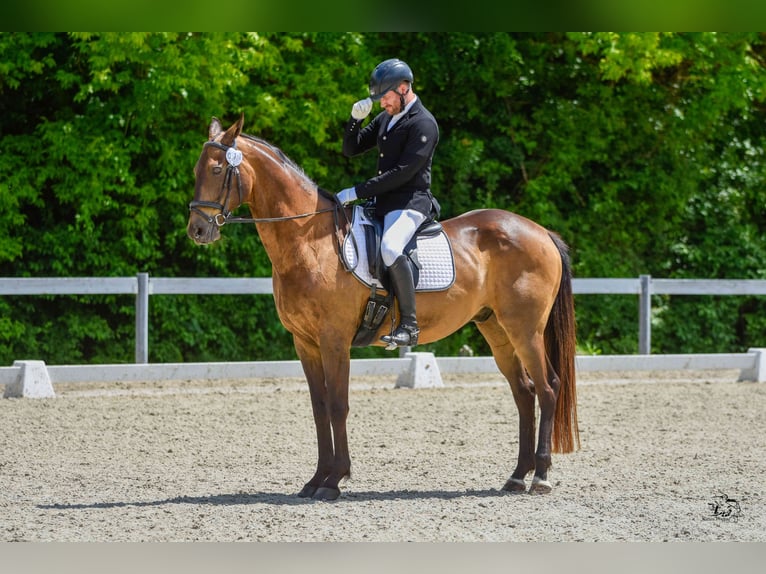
(387, 76)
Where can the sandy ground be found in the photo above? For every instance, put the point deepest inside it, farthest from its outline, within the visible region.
(222, 461)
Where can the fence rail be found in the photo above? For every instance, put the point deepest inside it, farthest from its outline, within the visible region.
(142, 286)
(36, 379)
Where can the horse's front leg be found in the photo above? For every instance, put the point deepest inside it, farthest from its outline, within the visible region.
(327, 374)
(337, 363)
(311, 361)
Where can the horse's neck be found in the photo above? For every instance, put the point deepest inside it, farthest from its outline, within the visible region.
(298, 245)
(282, 191)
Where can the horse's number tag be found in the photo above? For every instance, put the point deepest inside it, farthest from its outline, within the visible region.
(233, 156)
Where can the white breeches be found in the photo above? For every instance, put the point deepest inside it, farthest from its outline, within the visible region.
(398, 229)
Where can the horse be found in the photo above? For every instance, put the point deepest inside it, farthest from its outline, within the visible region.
(513, 281)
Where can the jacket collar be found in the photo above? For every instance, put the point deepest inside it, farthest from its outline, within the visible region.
(409, 110)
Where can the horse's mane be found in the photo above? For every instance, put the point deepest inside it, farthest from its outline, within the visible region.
(283, 156)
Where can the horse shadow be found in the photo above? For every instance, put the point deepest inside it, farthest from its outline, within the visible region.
(280, 499)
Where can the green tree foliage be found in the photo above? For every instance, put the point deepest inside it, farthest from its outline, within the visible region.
(643, 150)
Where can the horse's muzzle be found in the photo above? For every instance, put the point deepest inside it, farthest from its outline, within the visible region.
(202, 232)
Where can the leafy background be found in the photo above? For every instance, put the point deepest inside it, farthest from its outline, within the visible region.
(643, 150)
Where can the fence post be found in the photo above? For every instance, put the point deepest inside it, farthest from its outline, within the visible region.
(142, 319)
(645, 316)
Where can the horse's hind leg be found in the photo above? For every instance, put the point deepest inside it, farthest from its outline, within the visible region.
(546, 386)
(523, 395)
(526, 338)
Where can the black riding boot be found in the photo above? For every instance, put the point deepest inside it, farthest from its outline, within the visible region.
(402, 282)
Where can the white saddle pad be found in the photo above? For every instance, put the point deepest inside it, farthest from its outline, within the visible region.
(437, 271)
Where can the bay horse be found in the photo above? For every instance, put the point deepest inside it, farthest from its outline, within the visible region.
(513, 280)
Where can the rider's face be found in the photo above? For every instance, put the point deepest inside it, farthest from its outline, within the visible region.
(391, 102)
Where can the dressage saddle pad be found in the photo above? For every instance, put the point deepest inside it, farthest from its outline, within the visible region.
(434, 253)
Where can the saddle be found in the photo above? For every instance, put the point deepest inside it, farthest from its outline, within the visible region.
(429, 254)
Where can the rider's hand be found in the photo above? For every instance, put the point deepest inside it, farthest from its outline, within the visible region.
(361, 109)
(347, 195)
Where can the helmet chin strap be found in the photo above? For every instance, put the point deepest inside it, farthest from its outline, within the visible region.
(401, 98)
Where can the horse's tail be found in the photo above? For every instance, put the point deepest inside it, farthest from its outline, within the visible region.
(560, 343)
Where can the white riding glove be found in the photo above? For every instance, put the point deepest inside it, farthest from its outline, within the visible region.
(347, 195)
(361, 109)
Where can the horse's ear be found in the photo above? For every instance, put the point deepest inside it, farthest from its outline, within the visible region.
(215, 128)
(232, 133)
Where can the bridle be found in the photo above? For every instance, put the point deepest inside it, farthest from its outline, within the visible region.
(224, 216)
(233, 159)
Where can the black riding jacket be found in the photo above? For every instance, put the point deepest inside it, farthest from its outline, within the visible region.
(403, 179)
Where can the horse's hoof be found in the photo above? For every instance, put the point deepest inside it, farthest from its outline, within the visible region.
(326, 493)
(515, 486)
(307, 491)
(540, 486)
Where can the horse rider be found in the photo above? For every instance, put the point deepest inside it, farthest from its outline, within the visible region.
(405, 134)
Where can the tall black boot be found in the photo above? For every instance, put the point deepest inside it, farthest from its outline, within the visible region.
(403, 284)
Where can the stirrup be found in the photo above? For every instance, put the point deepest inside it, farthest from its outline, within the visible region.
(403, 336)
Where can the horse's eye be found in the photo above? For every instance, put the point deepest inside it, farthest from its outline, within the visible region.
(217, 169)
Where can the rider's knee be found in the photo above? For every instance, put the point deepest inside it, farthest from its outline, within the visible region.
(389, 253)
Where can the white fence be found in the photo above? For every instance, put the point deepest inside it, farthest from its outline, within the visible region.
(415, 370)
(142, 286)
(24, 377)
(751, 364)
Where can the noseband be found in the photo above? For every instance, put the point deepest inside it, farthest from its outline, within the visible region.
(233, 159)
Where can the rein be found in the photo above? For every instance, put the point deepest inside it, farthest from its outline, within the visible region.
(229, 218)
